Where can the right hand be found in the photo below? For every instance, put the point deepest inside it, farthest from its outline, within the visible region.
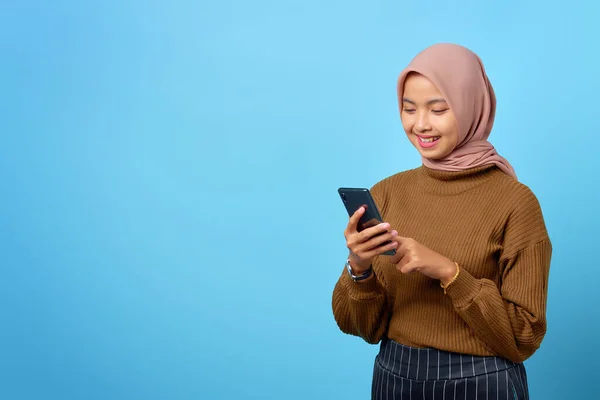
(363, 245)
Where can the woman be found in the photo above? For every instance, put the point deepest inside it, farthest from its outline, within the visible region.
(462, 303)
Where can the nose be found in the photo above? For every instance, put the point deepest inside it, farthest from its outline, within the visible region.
(422, 122)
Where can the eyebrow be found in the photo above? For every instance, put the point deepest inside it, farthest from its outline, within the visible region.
(430, 102)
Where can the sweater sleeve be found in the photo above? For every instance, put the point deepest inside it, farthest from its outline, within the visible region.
(510, 318)
(362, 308)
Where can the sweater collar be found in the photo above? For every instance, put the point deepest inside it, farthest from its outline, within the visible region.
(452, 182)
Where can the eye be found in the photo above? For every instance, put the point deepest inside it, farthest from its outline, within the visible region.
(440, 111)
(409, 110)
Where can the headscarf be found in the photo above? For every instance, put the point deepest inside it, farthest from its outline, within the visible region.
(459, 75)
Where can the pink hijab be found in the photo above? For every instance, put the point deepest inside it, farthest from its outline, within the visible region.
(459, 75)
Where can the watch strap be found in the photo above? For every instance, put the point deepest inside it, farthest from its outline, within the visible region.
(361, 277)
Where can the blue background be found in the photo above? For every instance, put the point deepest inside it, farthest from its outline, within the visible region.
(170, 227)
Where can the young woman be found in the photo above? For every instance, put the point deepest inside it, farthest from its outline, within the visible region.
(462, 303)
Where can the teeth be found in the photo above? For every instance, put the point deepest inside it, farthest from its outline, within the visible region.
(428, 140)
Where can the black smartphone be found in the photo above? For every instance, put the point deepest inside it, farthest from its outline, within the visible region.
(353, 199)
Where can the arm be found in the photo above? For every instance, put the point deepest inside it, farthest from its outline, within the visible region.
(511, 319)
(361, 308)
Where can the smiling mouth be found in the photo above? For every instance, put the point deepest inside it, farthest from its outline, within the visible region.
(428, 139)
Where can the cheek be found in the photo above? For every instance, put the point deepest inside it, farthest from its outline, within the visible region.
(449, 129)
(453, 135)
(407, 124)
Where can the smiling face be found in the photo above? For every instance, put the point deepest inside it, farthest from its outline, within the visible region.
(427, 118)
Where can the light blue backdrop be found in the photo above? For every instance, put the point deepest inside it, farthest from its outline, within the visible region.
(169, 222)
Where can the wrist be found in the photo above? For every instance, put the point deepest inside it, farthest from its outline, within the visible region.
(359, 270)
(357, 267)
(359, 275)
(445, 283)
(450, 274)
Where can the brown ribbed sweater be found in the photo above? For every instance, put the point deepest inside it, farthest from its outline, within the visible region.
(493, 227)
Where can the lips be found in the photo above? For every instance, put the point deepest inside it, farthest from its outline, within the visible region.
(427, 141)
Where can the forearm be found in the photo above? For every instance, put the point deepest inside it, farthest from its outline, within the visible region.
(481, 306)
(361, 308)
(512, 323)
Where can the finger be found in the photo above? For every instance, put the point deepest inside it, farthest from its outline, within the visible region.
(400, 258)
(369, 233)
(408, 268)
(377, 241)
(380, 250)
(405, 245)
(401, 251)
(356, 246)
(404, 241)
(395, 259)
(355, 238)
(354, 218)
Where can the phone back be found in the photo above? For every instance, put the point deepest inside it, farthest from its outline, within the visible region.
(354, 198)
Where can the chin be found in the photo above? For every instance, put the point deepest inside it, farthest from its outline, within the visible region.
(430, 156)
(434, 155)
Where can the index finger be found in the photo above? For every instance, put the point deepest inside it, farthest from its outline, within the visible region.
(401, 250)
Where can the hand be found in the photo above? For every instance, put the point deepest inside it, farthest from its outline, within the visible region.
(412, 256)
(363, 245)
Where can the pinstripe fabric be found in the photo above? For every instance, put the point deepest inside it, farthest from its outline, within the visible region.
(407, 373)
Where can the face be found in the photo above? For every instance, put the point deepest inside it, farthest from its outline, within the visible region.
(427, 118)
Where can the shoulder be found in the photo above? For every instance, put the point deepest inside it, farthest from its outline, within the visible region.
(525, 225)
(518, 196)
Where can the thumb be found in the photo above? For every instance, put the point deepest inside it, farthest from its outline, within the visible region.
(355, 218)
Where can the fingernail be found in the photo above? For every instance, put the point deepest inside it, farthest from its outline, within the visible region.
(394, 233)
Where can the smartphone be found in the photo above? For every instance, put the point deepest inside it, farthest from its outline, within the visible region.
(353, 199)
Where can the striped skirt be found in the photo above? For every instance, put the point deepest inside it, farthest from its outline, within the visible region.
(408, 373)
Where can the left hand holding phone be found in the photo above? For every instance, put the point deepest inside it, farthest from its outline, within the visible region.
(364, 246)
